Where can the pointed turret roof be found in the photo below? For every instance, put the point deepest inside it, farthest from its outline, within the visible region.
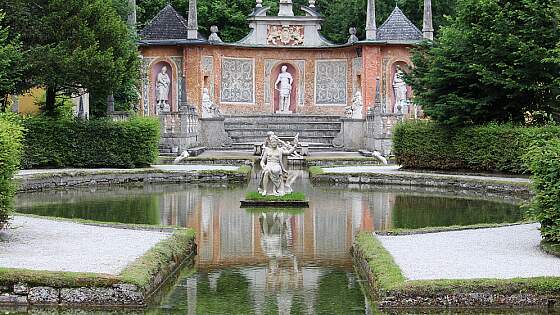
(398, 28)
(166, 25)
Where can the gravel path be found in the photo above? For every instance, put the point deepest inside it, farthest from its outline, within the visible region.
(41, 244)
(396, 171)
(503, 253)
(175, 168)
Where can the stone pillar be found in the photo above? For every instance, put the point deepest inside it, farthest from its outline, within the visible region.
(15, 104)
(110, 104)
(371, 28)
(212, 133)
(353, 133)
(131, 21)
(286, 8)
(192, 23)
(428, 28)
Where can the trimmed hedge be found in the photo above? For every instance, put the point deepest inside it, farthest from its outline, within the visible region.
(544, 163)
(10, 155)
(90, 143)
(488, 148)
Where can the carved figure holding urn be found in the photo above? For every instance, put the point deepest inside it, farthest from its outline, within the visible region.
(355, 110)
(285, 80)
(274, 176)
(400, 90)
(162, 90)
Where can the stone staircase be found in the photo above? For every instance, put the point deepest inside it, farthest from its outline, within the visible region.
(317, 130)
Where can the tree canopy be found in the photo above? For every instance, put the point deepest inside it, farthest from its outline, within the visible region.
(72, 46)
(495, 61)
(340, 15)
(11, 65)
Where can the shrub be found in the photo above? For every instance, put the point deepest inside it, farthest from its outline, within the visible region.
(10, 155)
(97, 143)
(487, 148)
(544, 163)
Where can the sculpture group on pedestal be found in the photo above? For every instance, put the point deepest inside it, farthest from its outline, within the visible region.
(355, 111)
(209, 108)
(163, 83)
(285, 80)
(275, 179)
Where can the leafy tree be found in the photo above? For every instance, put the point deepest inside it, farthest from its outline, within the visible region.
(494, 62)
(10, 63)
(72, 45)
(340, 15)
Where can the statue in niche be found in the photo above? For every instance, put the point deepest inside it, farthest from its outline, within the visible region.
(285, 80)
(209, 108)
(163, 83)
(355, 110)
(275, 179)
(400, 91)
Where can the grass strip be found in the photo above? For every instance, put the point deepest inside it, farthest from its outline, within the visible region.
(316, 170)
(256, 196)
(142, 271)
(11, 276)
(388, 279)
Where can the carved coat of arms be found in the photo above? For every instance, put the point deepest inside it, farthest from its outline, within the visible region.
(285, 35)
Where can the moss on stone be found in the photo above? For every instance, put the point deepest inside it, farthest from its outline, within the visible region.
(438, 229)
(552, 249)
(142, 271)
(316, 170)
(389, 280)
(10, 276)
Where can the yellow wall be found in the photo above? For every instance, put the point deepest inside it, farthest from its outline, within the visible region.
(26, 102)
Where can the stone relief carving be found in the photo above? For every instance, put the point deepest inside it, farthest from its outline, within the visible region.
(285, 35)
(208, 70)
(330, 82)
(356, 70)
(180, 80)
(146, 84)
(237, 81)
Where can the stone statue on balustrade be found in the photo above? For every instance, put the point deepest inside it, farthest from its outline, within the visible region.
(285, 80)
(275, 179)
(209, 108)
(163, 84)
(400, 90)
(355, 111)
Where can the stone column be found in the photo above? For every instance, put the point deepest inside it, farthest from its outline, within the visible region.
(15, 104)
(192, 23)
(132, 15)
(110, 104)
(428, 29)
(371, 28)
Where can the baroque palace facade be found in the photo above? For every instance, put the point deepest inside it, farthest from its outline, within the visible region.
(283, 67)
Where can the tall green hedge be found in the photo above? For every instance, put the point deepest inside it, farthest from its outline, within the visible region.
(488, 148)
(10, 155)
(544, 163)
(90, 143)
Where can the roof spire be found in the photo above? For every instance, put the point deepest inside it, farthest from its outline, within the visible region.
(131, 20)
(286, 8)
(428, 29)
(371, 28)
(192, 23)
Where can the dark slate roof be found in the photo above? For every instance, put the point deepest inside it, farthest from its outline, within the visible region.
(398, 27)
(166, 25)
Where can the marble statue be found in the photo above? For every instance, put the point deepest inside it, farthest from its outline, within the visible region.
(275, 179)
(355, 111)
(209, 108)
(162, 90)
(285, 80)
(400, 90)
(181, 157)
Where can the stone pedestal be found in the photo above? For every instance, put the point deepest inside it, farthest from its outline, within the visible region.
(212, 133)
(352, 135)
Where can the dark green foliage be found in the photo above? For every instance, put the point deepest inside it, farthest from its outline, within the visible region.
(487, 148)
(493, 62)
(10, 62)
(544, 163)
(72, 45)
(231, 16)
(96, 143)
(10, 155)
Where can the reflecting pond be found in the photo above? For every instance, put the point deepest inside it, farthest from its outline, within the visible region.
(262, 261)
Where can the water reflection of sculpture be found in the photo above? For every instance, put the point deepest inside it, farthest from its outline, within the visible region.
(275, 179)
(283, 274)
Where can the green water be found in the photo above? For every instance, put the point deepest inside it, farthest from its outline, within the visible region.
(262, 261)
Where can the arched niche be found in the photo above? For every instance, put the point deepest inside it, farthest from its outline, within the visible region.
(155, 69)
(293, 70)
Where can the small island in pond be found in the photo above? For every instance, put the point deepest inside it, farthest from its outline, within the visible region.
(256, 199)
